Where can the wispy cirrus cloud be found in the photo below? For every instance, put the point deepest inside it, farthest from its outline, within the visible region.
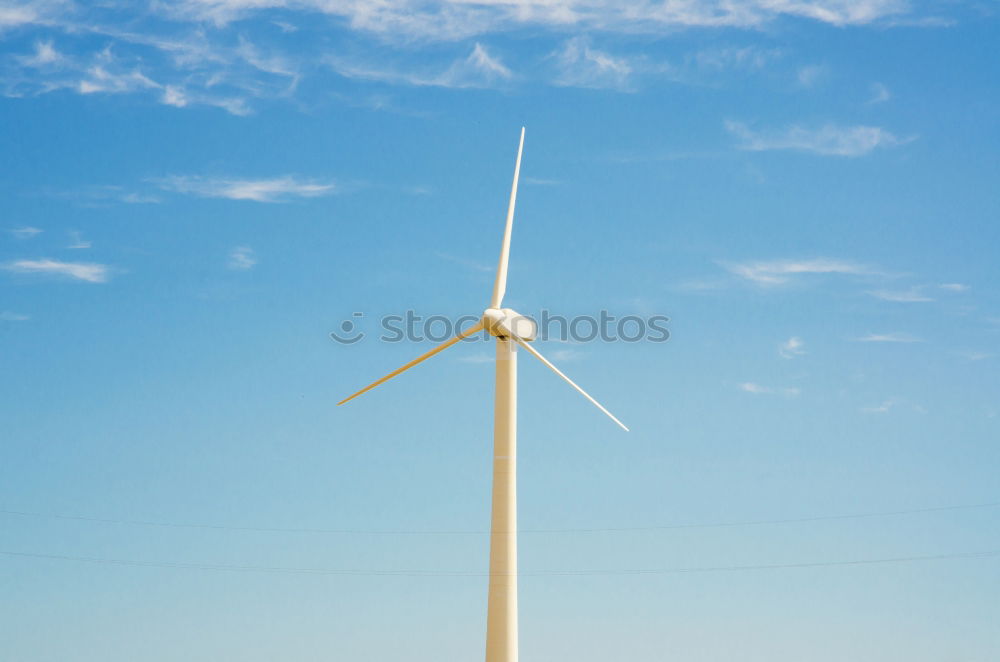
(791, 348)
(45, 55)
(888, 337)
(954, 287)
(192, 68)
(18, 13)
(578, 64)
(811, 75)
(454, 19)
(9, 316)
(77, 241)
(727, 58)
(883, 408)
(241, 258)
(972, 355)
(480, 69)
(757, 389)
(879, 94)
(912, 295)
(89, 272)
(889, 404)
(278, 189)
(777, 272)
(25, 232)
(232, 54)
(826, 140)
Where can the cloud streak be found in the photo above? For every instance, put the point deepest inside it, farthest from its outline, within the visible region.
(242, 258)
(454, 19)
(826, 140)
(580, 65)
(791, 348)
(278, 189)
(756, 389)
(912, 295)
(882, 408)
(89, 272)
(233, 53)
(26, 232)
(480, 69)
(78, 242)
(888, 337)
(778, 272)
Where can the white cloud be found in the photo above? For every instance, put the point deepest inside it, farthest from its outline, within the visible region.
(16, 14)
(757, 389)
(174, 96)
(270, 63)
(890, 404)
(828, 140)
(880, 93)
(480, 69)
(242, 258)
(185, 53)
(811, 74)
(107, 74)
(85, 271)
(481, 61)
(840, 12)
(197, 68)
(888, 337)
(278, 189)
(791, 348)
(8, 316)
(971, 355)
(733, 57)
(26, 232)
(776, 272)
(579, 65)
(883, 408)
(954, 287)
(912, 295)
(539, 181)
(77, 241)
(45, 55)
(454, 19)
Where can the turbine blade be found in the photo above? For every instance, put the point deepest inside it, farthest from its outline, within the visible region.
(426, 355)
(569, 381)
(500, 286)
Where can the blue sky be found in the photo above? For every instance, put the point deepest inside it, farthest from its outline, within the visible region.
(195, 194)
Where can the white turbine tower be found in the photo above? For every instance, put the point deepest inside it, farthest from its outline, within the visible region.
(510, 330)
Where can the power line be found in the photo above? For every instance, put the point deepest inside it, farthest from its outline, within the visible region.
(666, 527)
(463, 573)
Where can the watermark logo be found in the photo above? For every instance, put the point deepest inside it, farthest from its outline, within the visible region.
(412, 327)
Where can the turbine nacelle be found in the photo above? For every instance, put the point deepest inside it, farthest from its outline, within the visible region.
(508, 323)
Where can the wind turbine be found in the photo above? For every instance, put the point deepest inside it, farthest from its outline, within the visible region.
(511, 331)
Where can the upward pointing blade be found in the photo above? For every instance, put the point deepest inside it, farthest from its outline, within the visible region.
(500, 286)
(569, 381)
(426, 355)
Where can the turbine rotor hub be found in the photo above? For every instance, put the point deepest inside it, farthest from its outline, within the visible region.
(506, 323)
